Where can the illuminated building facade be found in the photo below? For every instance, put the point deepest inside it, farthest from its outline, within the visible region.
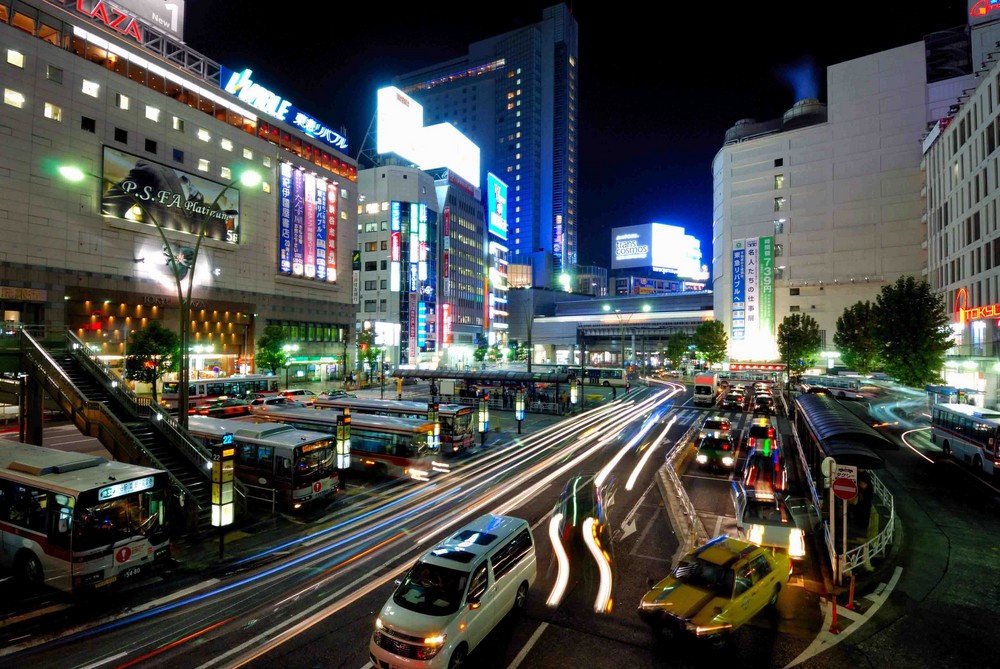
(515, 95)
(125, 100)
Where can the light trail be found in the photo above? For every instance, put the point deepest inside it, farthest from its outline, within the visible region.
(645, 457)
(602, 604)
(562, 563)
(911, 446)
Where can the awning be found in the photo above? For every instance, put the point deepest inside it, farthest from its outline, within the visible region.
(483, 375)
(842, 435)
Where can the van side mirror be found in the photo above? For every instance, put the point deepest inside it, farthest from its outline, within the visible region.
(398, 581)
(473, 601)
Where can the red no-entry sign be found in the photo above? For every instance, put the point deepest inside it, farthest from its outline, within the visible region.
(845, 489)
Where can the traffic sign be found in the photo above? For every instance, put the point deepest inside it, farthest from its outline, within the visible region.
(845, 489)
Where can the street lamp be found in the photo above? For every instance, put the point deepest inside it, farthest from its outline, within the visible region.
(484, 418)
(519, 408)
(248, 178)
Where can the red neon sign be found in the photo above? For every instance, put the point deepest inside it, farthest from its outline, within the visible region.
(964, 314)
(983, 7)
(113, 18)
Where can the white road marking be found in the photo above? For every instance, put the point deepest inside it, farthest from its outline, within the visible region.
(826, 639)
(527, 647)
(105, 661)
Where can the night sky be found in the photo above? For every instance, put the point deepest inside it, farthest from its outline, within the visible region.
(657, 93)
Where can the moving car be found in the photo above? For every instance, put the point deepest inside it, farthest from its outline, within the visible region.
(765, 467)
(221, 408)
(772, 520)
(716, 589)
(300, 395)
(273, 402)
(716, 451)
(334, 394)
(582, 499)
(735, 400)
(455, 594)
(714, 424)
(764, 403)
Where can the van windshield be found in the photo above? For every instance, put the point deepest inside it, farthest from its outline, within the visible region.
(431, 590)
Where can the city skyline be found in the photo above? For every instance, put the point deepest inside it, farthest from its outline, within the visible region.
(654, 109)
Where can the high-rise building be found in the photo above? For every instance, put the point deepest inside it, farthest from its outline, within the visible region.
(515, 95)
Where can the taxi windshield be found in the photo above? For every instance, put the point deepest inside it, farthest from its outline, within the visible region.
(706, 575)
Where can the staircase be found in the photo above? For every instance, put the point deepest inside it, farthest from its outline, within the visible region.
(130, 427)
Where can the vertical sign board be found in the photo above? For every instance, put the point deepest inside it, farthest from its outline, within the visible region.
(298, 224)
(321, 227)
(751, 265)
(331, 232)
(223, 463)
(356, 271)
(309, 222)
(738, 306)
(766, 279)
(285, 219)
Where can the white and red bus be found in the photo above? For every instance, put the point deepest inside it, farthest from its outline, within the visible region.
(384, 446)
(201, 391)
(968, 433)
(291, 466)
(457, 420)
(74, 521)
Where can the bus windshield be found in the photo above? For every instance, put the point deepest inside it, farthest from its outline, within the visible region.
(105, 522)
(315, 459)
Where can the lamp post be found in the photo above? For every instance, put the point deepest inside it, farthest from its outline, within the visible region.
(179, 270)
(484, 418)
(519, 408)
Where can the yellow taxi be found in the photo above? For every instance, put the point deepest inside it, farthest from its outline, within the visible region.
(716, 589)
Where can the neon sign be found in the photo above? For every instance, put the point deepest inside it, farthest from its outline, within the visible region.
(113, 18)
(983, 7)
(964, 314)
(126, 488)
(243, 87)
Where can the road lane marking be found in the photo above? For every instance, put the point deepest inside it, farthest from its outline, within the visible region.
(527, 647)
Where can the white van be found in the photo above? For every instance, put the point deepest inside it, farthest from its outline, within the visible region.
(454, 595)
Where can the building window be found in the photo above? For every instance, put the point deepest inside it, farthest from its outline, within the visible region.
(203, 164)
(15, 58)
(384, 225)
(371, 246)
(384, 245)
(370, 284)
(178, 156)
(122, 101)
(52, 111)
(121, 135)
(13, 98)
(793, 291)
(153, 114)
(226, 144)
(53, 73)
(779, 204)
(383, 284)
(779, 226)
(384, 264)
(225, 173)
(91, 88)
(247, 153)
(793, 307)
(150, 146)
(178, 124)
(266, 161)
(265, 186)
(204, 135)
(779, 250)
(370, 265)
(88, 124)
(383, 305)
(369, 306)
(778, 162)
(779, 181)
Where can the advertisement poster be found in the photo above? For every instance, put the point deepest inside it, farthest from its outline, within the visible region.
(285, 220)
(738, 306)
(145, 191)
(766, 279)
(298, 226)
(751, 266)
(320, 219)
(307, 225)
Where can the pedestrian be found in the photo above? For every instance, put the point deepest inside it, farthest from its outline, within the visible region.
(614, 393)
(626, 387)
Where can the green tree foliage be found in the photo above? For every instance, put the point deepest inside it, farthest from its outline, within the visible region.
(912, 331)
(711, 341)
(798, 342)
(479, 353)
(677, 348)
(270, 353)
(367, 350)
(856, 338)
(152, 352)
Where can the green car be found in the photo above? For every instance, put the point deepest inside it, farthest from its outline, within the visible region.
(716, 451)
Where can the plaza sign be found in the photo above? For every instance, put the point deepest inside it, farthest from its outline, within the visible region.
(112, 17)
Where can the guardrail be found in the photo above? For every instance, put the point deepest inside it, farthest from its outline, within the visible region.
(695, 531)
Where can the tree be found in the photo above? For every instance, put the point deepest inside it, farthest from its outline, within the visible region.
(912, 330)
(677, 348)
(270, 353)
(798, 342)
(152, 352)
(856, 338)
(712, 342)
(368, 352)
(479, 353)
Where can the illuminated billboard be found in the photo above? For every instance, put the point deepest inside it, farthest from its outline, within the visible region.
(401, 130)
(307, 225)
(496, 203)
(664, 248)
(145, 191)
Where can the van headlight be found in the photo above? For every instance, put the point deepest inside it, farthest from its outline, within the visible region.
(433, 646)
(701, 458)
(727, 461)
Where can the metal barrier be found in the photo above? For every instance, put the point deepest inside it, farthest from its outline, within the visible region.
(695, 530)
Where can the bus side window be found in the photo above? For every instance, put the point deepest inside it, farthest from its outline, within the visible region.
(282, 466)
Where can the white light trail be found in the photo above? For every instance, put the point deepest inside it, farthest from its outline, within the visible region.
(911, 446)
(645, 457)
(602, 604)
(562, 563)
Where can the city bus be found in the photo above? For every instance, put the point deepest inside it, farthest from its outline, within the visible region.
(293, 466)
(382, 446)
(204, 390)
(75, 522)
(593, 376)
(969, 434)
(457, 420)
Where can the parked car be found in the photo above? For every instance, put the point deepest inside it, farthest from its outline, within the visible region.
(716, 451)
(773, 520)
(716, 589)
(300, 395)
(714, 424)
(334, 394)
